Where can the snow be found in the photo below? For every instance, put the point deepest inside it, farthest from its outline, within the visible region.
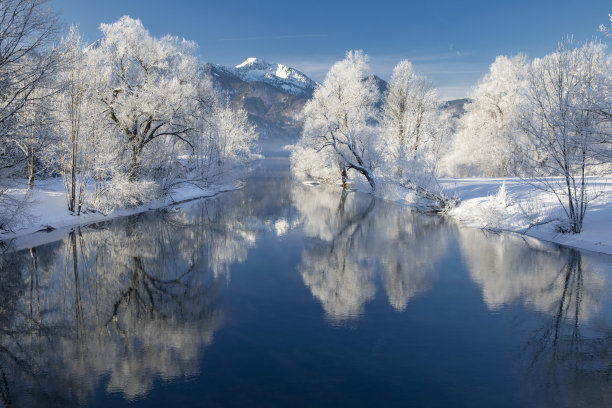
(482, 205)
(279, 75)
(249, 62)
(47, 210)
(526, 210)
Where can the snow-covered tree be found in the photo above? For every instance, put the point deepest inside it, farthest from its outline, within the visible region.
(488, 133)
(27, 59)
(27, 32)
(413, 125)
(339, 123)
(605, 113)
(148, 86)
(226, 140)
(162, 120)
(32, 129)
(71, 103)
(27, 63)
(561, 119)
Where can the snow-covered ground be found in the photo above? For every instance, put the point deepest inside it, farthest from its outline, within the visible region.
(47, 209)
(522, 206)
(482, 205)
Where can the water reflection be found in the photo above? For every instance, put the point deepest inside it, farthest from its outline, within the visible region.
(571, 357)
(545, 277)
(352, 236)
(131, 301)
(565, 351)
(129, 306)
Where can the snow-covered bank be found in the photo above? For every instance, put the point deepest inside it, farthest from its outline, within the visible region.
(47, 209)
(529, 211)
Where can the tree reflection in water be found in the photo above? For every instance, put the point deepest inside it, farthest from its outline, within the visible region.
(569, 354)
(352, 236)
(125, 305)
(136, 301)
(567, 348)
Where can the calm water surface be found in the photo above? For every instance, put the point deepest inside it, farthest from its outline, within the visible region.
(284, 294)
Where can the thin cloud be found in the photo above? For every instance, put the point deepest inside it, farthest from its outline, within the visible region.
(275, 37)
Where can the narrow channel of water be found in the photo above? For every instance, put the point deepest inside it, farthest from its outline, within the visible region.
(283, 294)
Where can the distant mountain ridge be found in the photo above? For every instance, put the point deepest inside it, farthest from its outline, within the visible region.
(456, 106)
(278, 75)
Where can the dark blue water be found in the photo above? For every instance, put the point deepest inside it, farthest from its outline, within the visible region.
(283, 294)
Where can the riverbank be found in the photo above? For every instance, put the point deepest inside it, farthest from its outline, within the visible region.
(484, 204)
(514, 205)
(46, 209)
(519, 207)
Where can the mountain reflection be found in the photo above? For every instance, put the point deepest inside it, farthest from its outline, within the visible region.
(132, 301)
(352, 236)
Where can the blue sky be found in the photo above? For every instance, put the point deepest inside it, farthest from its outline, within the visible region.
(452, 42)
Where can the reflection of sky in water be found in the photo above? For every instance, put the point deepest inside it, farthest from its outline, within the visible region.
(290, 294)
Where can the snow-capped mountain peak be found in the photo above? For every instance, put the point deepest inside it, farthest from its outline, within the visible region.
(254, 63)
(279, 75)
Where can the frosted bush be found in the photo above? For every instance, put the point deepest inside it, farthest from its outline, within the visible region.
(122, 193)
(306, 163)
(493, 211)
(502, 198)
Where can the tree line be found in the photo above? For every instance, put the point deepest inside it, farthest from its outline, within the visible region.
(122, 120)
(548, 121)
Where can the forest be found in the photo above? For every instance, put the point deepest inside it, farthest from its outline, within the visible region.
(121, 121)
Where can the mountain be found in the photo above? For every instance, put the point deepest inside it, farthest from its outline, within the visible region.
(456, 106)
(272, 94)
(277, 75)
(380, 83)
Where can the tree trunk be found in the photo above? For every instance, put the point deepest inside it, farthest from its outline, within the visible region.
(71, 203)
(134, 170)
(344, 177)
(31, 168)
(370, 179)
(366, 173)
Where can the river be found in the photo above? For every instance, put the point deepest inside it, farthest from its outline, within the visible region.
(285, 294)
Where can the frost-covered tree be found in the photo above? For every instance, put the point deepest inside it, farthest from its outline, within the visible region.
(27, 59)
(225, 142)
(605, 113)
(162, 121)
(148, 86)
(488, 133)
(561, 121)
(413, 124)
(27, 32)
(345, 129)
(71, 104)
(32, 129)
(27, 63)
(339, 133)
